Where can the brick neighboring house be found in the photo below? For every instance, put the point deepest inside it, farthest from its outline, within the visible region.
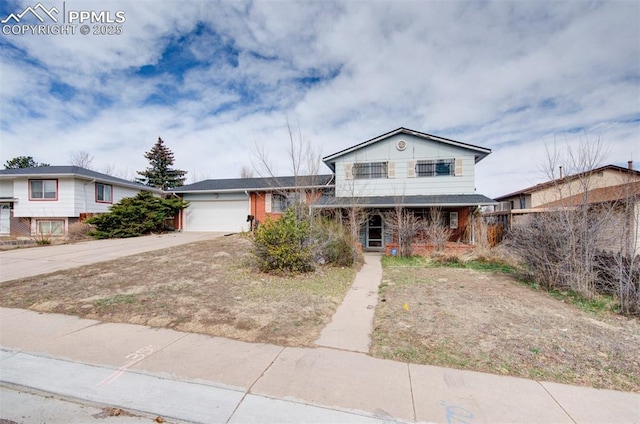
(46, 200)
(415, 170)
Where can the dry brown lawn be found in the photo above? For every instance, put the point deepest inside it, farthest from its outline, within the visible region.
(207, 287)
(489, 322)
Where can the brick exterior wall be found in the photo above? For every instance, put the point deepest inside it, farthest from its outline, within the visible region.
(20, 227)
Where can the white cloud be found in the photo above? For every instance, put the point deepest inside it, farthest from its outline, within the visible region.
(505, 75)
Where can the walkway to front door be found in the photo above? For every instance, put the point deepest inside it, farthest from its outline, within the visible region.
(352, 324)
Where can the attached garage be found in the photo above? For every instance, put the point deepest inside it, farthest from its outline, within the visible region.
(223, 214)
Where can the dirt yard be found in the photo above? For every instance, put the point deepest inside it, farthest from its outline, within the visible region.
(489, 322)
(207, 287)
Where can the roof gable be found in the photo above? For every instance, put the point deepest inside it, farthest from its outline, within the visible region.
(71, 171)
(479, 152)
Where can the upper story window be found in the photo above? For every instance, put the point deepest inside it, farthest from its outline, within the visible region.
(369, 170)
(43, 189)
(104, 193)
(436, 167)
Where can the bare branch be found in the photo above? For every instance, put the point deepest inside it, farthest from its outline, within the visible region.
(81, 158)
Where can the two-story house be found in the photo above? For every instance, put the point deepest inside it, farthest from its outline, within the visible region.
(404, 168)
(414, 170)
(46, 200)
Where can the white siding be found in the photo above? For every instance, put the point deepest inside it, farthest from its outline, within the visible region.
(75, 196)
(6, 188)
(63, 207)
(85, 199)
(404, 182)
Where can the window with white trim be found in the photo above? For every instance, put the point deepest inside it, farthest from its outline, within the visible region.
(43, 189)
(104, 193)
(436, 167)
(370, 170)
(279, 203)
(50, 227)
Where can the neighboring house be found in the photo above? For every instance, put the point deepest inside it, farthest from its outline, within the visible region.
(614, 187)
(408, 168)
(232, 205)
(46, 200)
(548, 192)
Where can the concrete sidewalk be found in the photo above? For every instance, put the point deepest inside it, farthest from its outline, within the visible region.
(352, 324)
(191, 377)
(27, 262)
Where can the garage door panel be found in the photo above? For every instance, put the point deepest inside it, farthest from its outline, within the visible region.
(223, 215)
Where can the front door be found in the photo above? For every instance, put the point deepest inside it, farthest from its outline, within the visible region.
(375, 232)
(5, 219)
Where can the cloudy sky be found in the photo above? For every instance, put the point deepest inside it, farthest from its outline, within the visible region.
(215, 78)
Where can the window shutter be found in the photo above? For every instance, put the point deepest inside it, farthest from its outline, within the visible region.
(391, 170)
(267, 202)
(411, 169)
(348, 171)
(453, 220)
(458, 170)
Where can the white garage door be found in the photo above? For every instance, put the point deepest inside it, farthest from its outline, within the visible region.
(221, 215)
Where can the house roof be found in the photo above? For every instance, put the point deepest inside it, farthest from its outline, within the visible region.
(71, 171)
(600, 195)
(481, 152)
(443, 200)
(257, 184)
(566, 179)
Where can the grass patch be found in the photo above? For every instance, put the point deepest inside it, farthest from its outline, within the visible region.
(115, 300)
(388, 261)
(598, 304)
(448, 262)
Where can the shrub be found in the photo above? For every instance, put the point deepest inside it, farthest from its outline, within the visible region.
(332, 243)
(283, 245)
(79, 231)
(135, 216)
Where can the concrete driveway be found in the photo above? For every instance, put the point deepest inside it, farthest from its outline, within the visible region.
(27, 262)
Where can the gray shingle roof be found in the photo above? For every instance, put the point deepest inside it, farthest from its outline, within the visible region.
(74, 171)
(242, 184)
(442, 200)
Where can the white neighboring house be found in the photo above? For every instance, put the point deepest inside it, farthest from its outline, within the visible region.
(46, 200)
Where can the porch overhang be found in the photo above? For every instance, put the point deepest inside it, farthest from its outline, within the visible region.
(421, 201)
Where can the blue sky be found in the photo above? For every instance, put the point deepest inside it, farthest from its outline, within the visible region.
(214, 78)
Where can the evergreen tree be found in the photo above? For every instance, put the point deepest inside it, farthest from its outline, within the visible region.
(23, 162)
(160, 174)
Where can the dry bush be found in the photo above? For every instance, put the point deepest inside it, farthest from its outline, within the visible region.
(406, 227)
(79, 231)
(437, 231)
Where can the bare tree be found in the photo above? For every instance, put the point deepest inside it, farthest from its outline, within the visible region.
(246, 172)
(437, 231)
(110, 169)
(82, 159)
(580, 240)
(304, 163)
(405, 227)
(304, 159)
